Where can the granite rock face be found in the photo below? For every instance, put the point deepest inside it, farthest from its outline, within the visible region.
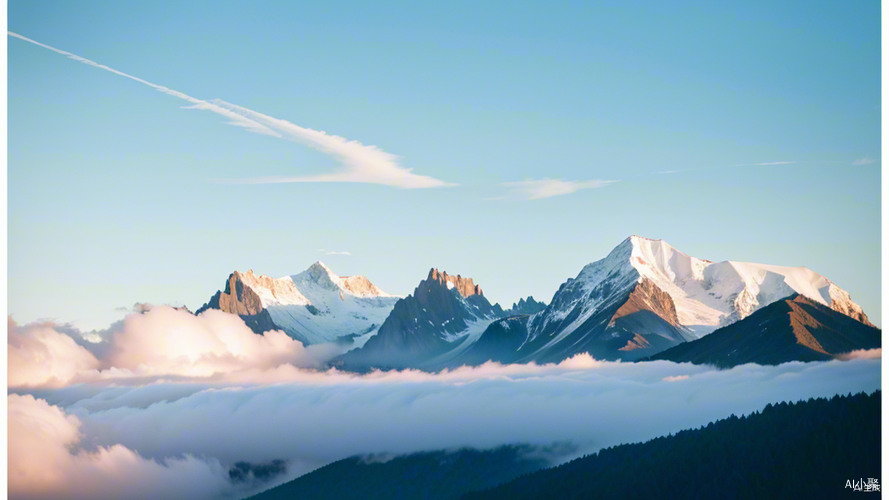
(463, 285)
(428, 323)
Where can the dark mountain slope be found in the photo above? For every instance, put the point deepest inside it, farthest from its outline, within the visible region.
(426, 324)
(635, 320)
(439, 475)
(805, 450)
(793, 329)
(523, 306)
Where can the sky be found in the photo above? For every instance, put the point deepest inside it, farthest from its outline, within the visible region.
(513, 144)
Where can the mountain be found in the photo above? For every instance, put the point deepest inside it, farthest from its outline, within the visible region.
(646, 297)
(811, 449)
(529, 306)
(443, 317)
(793, 329)
(436, 475)
(314, 306)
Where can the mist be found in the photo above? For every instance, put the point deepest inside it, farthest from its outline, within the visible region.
(171, 402)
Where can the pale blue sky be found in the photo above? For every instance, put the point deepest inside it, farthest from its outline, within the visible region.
(111, 199)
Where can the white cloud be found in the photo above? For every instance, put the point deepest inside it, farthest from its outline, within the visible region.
(44, 463)
(863, 161)
(38, 355)
(546, 188)
(361, 163)
(331, 252)
(862, 354)
(310, 418)
(159, 342)
(176, 386)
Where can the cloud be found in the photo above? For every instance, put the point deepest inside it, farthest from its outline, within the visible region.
(38, 355)
(368, 164)
(862, 354)
(863, 161)
(361, 163)
(158, 342)
(310, 418)
(169, 403)
(45, 463)
(546, 188)
(331, 252)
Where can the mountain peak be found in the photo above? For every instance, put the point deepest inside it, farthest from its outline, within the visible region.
(463, 285)
(320, 266)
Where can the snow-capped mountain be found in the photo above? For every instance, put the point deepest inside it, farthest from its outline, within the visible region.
(646, 296)
(314, 306)
(443, 317)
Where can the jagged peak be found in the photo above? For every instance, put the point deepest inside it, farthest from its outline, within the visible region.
(465, 286)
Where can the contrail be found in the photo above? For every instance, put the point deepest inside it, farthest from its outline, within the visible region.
(236, 119)
(367, 164)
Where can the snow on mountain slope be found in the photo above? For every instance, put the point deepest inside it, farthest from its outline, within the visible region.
(314, 306)
(710, 295)
(646, 296)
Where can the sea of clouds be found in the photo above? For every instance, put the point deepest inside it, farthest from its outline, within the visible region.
(164, 403)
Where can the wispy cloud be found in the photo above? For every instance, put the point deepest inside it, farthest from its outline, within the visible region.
(720, 167)
(330, 252)
(763, 164)
(536, 189)
(863, 161)
(361, 163)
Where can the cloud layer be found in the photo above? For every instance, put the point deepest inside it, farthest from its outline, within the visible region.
(158, 342)
(168, 402)
(44, 463)
(310, 418)
(361, 163)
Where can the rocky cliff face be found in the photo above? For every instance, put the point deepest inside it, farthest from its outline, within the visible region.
(463, 285)
(437, 318)
(239, 298)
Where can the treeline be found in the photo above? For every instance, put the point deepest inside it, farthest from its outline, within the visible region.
(808, 449)
(437, 475)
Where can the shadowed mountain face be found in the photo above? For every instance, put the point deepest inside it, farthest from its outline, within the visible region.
(438, 475)
(529, 306)
(794, 329)
(804, 450)
(635, 320)
(438, 317)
